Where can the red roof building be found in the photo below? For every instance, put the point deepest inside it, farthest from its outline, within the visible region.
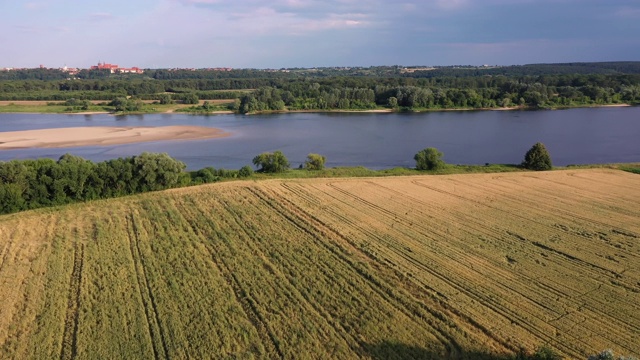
(116, 69)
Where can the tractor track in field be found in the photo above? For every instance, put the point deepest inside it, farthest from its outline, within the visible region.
(553, 228)
(241, 295)
(538, 205)
(69, 347)
(330, 268)
(301, 218)
(5, 253)
(401, 252)
(152, 317)
(349, 340)
(526, 218)
(477, 296)
(568, 257)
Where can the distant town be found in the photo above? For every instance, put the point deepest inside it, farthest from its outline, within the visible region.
(113, 69)
(117, 69)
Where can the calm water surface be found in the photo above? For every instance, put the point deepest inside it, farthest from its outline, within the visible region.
(576, 136)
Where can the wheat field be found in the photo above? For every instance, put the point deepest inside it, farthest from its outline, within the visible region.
(455, 266)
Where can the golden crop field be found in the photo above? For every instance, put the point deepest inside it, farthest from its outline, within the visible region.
(456, 266)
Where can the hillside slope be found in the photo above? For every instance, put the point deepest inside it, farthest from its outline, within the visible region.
(462, 266)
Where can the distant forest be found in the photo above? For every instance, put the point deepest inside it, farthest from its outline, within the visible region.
(531, 86)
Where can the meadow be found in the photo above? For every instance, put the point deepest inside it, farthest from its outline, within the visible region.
(102, 106)
(452, 266)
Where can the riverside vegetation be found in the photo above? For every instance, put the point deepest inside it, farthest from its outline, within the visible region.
(390, 88)
(31, 184)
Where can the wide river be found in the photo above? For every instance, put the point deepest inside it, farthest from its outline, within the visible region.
(374, 140)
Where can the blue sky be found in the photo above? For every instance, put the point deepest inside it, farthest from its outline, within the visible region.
(308, 33)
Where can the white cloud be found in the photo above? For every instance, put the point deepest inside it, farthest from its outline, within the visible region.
(452, 4)
(201, 2)
(35, 5)
(28, 29)
(100, 16)
(628, 12)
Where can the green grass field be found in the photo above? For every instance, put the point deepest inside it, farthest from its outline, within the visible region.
(58, 107)
(454, 266)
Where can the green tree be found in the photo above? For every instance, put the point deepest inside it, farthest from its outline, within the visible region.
(545, 353)
(165, 99)
(191, 98)
(271, 162)
(245, 171)
(119, 103)
(117, 176)
(206, 175)
(11, 199)
(315, 162)
(124, 104)
(609, 355)
(75, 173)
(157, 171)
(537, 158)
(429, 159)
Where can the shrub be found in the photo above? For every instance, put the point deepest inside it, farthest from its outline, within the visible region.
(429, 159)
(157, 171)
(545, 353)
(537, 158)
(206, 175)
(165, 99)
(245, 171)
(609, 355)
(124, 104)
(191, 98)
(315, 162)
(271, 162)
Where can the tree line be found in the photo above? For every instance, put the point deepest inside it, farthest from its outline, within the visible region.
(30, 184)
(275, 92)
(619, 67)
(534, 95)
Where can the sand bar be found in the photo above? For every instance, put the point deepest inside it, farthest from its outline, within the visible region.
(102, 135)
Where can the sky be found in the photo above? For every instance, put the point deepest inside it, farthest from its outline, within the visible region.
(315, 33)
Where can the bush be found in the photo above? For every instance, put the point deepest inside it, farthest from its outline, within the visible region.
(545, 353)
(429, 159)
(609, 355)
(245, 171)
(271, 162)
(124, 104)
(191, 98)
(537, 158)
(157, 171)
(315, 162)
(165, 99)
(203, 176)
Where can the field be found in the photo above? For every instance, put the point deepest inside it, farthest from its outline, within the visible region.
(456, 266)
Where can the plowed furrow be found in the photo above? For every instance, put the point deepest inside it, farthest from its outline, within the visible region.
(70, 334)
(151, 308)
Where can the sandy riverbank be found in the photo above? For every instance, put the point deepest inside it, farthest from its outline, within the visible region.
(102, 135)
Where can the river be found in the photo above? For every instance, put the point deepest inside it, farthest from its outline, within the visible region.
(373, 140)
